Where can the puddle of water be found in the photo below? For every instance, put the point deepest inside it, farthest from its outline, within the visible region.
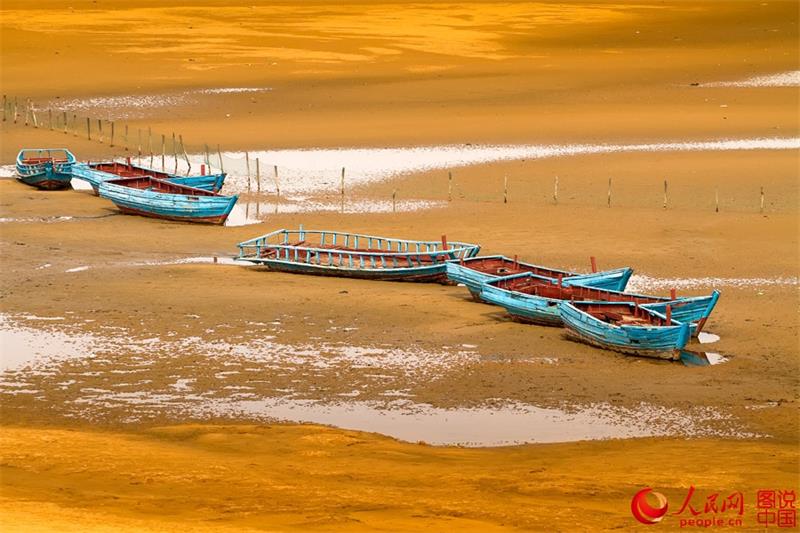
(707, 338)
(246, 213)
(695, 358)
(315, 170)
(641, 283)
(782, 79)
(5, 220)
(21, 346)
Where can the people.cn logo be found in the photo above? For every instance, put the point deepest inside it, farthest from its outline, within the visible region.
(646, 513)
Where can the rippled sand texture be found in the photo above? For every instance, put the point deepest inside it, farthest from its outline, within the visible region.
(384, 74)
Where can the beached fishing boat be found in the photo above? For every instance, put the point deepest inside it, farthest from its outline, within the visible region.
(535, 299)
(151, 197)
(478, 270)
(334, 253)
(98, 172)
(45, 168)
(626, 327)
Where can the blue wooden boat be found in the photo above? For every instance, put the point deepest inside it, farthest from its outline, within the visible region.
(45, 168)
(151, 197)
(625, 327)
(535, 299)
(333, 253)
(478, 270)
(98, 172)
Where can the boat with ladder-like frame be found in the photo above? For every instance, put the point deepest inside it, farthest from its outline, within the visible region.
(352, 255)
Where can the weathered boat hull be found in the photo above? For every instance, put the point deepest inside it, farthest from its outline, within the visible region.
(92, 174)
(48, 181)
(459, 272)
(534, 309)
(661, 342)
(353, 255)
(432, 274)
(45, 173)
(169, 206)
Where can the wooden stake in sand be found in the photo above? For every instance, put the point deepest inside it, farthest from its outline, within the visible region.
(609, 192)
(126, 136)
(342, 189)
(175, 152)
(111, 142)
(88, 128)
(33, 116)
(716, 200)
(185, 155)
(247, 163)
(665, 194)
(139, 144)
(208, 159)
(163, 152)
(27, 110)
(65, 123)
(555, 191)
(16, 110)
(394, 201)
(505, 189)
(762, 200)
(100, 130)
(449, 186)
(5, 109)
(277, 184)
(258, 175)
(75, 124)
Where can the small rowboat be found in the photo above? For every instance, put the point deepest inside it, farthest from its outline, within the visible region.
(96, 173)
(333, 253)
(535, 299)
(626, 327)
(45, 168)
(151, 197)
(478, 270)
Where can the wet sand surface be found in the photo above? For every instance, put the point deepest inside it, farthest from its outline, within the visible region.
(150, 381)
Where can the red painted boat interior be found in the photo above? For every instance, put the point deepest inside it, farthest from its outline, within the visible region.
(151, 184)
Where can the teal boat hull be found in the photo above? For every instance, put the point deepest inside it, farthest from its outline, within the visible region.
(546, 311)
(472, 278)
(186, 205)
(45, 173)
(658, 341)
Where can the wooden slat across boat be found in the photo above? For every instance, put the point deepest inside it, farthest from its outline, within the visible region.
(535, 299)
(478, 270)
(98, 172)
(151, 197)
(45, 168)
(625, 327)
(334, 253)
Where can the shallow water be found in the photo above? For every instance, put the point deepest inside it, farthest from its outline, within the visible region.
(315, 170)
(122, 372)
(782, 79)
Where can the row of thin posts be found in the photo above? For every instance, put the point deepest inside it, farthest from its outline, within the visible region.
(609, 193)
(100, 130)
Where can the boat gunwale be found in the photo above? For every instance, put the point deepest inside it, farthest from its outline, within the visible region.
(259, 243)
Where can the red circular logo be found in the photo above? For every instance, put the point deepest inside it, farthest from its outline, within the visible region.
(646, 513)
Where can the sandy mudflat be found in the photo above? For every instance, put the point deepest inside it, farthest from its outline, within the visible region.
(143, 383)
